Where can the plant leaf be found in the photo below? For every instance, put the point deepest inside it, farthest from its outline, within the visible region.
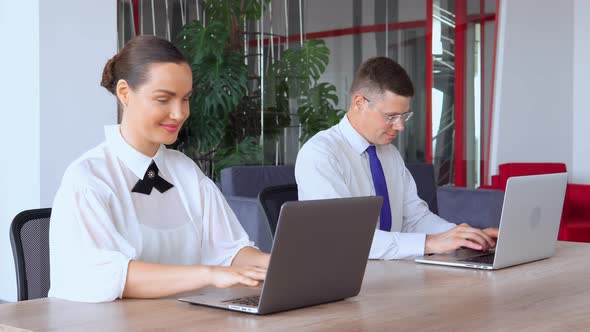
(317, 110)
(198, 42)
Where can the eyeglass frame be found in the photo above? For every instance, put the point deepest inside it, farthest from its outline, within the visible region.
(393, 119)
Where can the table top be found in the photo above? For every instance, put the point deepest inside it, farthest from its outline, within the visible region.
(551, 294)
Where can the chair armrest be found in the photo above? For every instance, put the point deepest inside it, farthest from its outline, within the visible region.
(495, 181)
(479, 208)
(252, 219)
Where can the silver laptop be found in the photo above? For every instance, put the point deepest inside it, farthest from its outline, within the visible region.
(528, 227)
(319, 255)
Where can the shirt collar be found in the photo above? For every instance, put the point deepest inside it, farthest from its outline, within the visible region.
(136, 161)
(357, 141)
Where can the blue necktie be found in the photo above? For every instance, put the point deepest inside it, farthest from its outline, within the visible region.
(380, 188)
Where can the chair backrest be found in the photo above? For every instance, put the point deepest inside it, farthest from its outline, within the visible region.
(272, 198)
(423, 174)
(248, 181)
(29, 236)
(507, 170)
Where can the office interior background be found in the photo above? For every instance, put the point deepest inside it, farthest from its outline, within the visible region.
(496, 82)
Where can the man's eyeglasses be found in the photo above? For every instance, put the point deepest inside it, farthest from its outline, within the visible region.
(391, 119)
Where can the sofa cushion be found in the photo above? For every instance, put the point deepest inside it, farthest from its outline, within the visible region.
(248, 181)
(479, 208)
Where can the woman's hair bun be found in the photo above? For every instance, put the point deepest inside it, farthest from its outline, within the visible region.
(108, 75)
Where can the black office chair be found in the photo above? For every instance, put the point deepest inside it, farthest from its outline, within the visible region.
(29, 236)
(272, 198)
(423, 174)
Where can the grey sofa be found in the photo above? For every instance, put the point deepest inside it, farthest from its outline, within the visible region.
(241, 184)
(479, 208)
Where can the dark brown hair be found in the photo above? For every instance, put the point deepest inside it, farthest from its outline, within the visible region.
(380, 74)
(132, 62)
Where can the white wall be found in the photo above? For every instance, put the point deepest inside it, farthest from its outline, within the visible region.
(77, 38)
(19, 110)
(581, 116)
(53, 104)
(532, 120)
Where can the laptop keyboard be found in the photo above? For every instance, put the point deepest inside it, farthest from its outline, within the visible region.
(485, 259)
(248, 301)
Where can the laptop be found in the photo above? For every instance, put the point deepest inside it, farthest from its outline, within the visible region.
(319, 255)
(528, 227)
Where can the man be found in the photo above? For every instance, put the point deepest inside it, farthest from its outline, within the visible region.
(356, 158)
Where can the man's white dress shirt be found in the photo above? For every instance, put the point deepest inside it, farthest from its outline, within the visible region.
(98, 225)
(334, 163)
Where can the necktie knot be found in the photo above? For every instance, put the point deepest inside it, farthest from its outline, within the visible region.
(372, 151)
(151, 180)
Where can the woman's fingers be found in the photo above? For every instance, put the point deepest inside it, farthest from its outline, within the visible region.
(244, 280)
(255, 273)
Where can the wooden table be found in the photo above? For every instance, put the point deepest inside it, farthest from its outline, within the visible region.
(552, 294)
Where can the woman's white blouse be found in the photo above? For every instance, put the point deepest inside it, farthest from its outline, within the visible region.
(98, 225)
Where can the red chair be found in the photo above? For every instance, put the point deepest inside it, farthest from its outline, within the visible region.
(508, 170)
(575, 220)
(519, 169)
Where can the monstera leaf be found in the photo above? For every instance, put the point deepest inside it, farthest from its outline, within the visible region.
(317, 110)
(198, 42)
(219, 84)
(302, 67)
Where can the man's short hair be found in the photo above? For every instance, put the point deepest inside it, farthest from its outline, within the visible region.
(380, 74)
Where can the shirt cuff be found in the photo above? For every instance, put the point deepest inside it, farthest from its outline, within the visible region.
(411, 244)
(124, 278)
(395, 245)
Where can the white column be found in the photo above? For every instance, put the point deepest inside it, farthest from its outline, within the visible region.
(53, 108)
(532, 120)
(581, 139)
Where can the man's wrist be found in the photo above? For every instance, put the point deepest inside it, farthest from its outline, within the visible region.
(428, 245)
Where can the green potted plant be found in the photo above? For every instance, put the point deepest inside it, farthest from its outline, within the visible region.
(224, 127)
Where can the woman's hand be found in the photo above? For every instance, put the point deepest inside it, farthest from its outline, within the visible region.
(249, 256)
(152, 280)
(230, 276)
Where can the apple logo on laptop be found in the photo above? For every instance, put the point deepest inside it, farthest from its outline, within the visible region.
(535, 217)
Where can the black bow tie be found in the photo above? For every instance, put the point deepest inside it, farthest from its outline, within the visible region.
(151, 179)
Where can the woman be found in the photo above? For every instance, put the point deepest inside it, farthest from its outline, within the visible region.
(133, 219)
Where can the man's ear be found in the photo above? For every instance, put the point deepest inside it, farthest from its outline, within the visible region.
(122, 91)
(358, 100)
